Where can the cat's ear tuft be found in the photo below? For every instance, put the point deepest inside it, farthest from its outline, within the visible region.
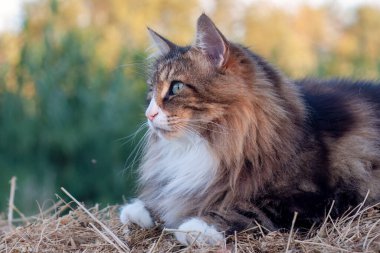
(211, 41)
(162, 45)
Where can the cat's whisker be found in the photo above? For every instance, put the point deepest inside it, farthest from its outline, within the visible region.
(208, 129)
(213, 123)
(205, 128)
(202, 128)
(187, 129)
(133, 135)
(209, 122)
(178, 120)
(175, 120)
(136, 152)
(189, 132)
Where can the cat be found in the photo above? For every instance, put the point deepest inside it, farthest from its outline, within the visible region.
(234, 142)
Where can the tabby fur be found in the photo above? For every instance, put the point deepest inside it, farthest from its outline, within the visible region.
(261, 146)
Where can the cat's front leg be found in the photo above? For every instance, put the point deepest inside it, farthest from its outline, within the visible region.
(196, 230)
(136, 212)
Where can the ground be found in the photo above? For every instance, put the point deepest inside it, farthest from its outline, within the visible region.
(71, 227)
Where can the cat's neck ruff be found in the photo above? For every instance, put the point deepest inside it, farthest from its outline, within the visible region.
(187, 163)
(182, 168)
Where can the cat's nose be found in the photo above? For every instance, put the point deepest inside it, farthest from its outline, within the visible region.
(152, 110)
(152, 116)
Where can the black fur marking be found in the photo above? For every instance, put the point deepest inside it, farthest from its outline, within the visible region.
(328, 113)
(193, 88)
(311, 208)
(280, 205)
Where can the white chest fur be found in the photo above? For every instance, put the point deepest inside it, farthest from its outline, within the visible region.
(179, 169)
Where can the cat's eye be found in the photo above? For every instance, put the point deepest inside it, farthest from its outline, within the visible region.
(176, 87)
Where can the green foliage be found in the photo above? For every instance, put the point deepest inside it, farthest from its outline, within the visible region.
(65, 129)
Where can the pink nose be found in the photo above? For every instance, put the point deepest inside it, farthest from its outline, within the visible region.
(152, 116)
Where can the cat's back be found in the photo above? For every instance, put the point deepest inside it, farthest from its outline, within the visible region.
(338, 106)
(320, 90)
(344, 118)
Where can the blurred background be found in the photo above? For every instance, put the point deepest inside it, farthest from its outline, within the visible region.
(72, 78)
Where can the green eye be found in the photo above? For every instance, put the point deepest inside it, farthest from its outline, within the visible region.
(176, 87)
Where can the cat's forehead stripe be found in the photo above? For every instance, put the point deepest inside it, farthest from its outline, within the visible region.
(170, 74)
(164, 89)
(162, 75)
(166, 72)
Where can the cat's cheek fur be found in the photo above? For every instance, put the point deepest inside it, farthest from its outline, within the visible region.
(136, 212)
(197, 231)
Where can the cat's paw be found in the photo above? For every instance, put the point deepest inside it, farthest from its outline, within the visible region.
(136, 212)
(199, 232)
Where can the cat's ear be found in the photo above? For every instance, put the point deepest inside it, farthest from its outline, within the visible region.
(211, 41)
(162, 45)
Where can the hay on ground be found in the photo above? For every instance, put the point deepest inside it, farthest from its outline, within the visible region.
(71, 227)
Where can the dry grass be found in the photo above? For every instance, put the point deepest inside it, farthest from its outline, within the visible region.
(99, 230)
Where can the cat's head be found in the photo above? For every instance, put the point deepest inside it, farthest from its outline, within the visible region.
(191, 88)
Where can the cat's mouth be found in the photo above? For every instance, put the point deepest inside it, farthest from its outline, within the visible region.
(166, 133)
(161, 130)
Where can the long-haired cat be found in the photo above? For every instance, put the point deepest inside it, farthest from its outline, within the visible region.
(233, 142)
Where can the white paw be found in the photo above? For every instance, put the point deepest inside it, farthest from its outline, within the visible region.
(136, 212)
(197, 231)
